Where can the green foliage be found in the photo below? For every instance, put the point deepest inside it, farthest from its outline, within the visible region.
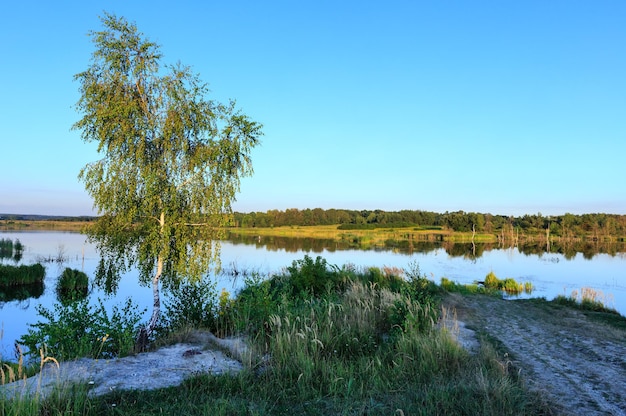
(192, 304)
(72, 279)
(508, 285)
(327, 343)
(21, 275)
(72, 285)
(409, 315)
(255, 303)
(373, 226)
(309, 280)
(599, 226)
(566, 301)
(312, 278)
(383, 279)
(588, 299)
(492, 281)
(77, 329)
(419, 287)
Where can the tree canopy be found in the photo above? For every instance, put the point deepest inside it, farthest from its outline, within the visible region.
(171, 161)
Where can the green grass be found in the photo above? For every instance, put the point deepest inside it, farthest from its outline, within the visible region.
(357, 341)
(21, 275)
(72, 285)
(490, 286)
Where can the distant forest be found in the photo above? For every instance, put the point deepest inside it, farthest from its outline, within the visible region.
(567, 225)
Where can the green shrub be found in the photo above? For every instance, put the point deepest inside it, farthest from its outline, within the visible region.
(72, 279)
(79, 330)
(420, 288)
(255, 303)
(491, 281)
(312, 278)
(191, 305)
(384, 279)
(72, 285)
(510, 285)
(408, 315)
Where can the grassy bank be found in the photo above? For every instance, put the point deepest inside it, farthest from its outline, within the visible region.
(373, 236)
(325, 340)
(365, 238)
(43, 225)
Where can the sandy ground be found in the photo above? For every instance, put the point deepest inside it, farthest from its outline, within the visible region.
(167, 366)
(577, 363)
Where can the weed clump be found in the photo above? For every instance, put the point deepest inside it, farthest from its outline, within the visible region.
(72, 285)
(491, 285)
(588, 299)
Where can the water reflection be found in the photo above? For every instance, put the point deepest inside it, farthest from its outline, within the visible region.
(568, 248)
(21, 293)
(10, 249)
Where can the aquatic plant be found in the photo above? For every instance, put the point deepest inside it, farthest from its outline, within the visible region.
(72, 285)
(21, 275)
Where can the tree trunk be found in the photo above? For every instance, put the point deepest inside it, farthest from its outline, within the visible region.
(473, 243)
(145, 332)
(156, 310)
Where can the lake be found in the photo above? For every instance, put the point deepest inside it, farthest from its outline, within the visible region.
(551, 274)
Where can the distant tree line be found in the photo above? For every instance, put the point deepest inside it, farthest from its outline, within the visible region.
(567, 225)
(60, 218)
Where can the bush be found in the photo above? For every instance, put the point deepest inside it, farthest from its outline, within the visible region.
(72, 279)
(72, 285)
(255, 303)
(309, 278)
(419, 288)
(491, 281)
(191, 305)
(79, 330)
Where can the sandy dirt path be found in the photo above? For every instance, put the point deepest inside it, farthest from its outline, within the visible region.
(576, 362)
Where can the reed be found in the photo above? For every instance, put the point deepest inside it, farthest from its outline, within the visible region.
(588, 299)
(21, 275)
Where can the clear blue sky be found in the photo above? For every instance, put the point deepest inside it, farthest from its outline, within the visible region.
(507, 107)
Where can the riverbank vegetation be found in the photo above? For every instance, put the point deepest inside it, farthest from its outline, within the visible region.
(21, 275)
(324, 340)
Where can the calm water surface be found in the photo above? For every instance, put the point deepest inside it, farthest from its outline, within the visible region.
(551, 274)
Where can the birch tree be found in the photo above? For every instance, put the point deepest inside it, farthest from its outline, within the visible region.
(171, 160)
